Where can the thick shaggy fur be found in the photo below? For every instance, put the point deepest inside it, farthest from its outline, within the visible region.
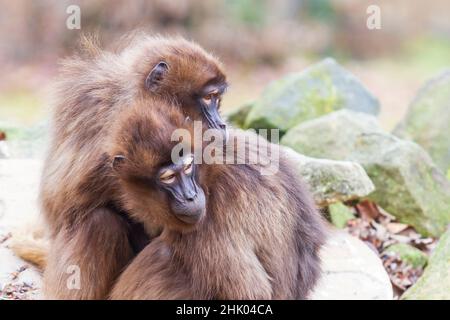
(259, 239)
(77, 191)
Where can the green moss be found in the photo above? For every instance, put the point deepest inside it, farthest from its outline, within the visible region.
(409, 254)
(340, 214)
(237, 116)
(435, 281)
(323, 100)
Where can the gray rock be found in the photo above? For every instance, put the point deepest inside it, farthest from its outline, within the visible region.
(408, 184)
(351, 271)
(428, 118)
(435, 281)
(332, 181)
(318, 90)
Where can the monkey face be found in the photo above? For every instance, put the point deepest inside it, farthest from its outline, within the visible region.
(209, 103)
(170, 192)
(199, 100)
(157, 181)
(184, 71)
(188, 198)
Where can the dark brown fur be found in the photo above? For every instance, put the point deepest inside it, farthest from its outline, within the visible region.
(77, 191)
(259, 239)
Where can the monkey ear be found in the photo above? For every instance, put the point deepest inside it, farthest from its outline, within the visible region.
(156, 76)
(117, 162)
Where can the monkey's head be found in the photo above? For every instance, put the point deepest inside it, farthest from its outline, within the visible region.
(182, 69)
(156, 185)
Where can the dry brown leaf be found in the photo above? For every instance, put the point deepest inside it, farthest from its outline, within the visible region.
(367, 210)
(395, 227)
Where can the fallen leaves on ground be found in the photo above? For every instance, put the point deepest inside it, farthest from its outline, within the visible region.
(378, 229)
(16, 291)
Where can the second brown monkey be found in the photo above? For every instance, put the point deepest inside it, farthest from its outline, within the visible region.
(228, 231)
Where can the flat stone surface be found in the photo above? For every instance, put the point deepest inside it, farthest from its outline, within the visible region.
(351, 271)
(19, 181)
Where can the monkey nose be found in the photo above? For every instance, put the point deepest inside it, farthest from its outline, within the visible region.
(190, 196)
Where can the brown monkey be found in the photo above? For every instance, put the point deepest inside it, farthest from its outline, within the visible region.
(229, 232)
(77, 190)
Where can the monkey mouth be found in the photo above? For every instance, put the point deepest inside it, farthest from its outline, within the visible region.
(190, 218)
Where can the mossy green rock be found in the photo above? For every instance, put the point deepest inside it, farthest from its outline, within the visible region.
(407, 183)
(331, 181)
(318, 90)
(237, 116)
(428, 120)
(408, 254)
(435, 281)
(340, 214)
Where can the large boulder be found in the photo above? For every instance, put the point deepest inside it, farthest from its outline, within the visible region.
(435, 281)
(331, 181)
(428, 118)
(408, 184)
(318, 90)
(351, 271)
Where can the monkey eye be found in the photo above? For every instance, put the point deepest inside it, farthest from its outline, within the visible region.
(210, 96)
(187, 164)
(167, 177)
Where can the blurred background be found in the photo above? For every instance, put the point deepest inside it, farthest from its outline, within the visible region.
(258, 40)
